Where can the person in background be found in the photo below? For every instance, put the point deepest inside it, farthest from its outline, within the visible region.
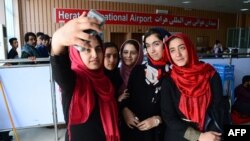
(29, 50)
(218, 49)
(111, 61)
(131, 54)
(44, 48)
(226, 51)
(192, 100)
(111, 70)
(242, 96)
(89, 105)
(240, 113)
(47, 42)
(141, 110)
(12, 54)
(39, 38)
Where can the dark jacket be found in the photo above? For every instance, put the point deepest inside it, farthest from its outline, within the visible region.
(173, 118)
(144, 102)
(92, 129)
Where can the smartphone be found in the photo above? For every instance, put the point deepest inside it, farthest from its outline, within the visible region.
(93, 14)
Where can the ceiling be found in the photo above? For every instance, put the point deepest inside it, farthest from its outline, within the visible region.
(228, 6)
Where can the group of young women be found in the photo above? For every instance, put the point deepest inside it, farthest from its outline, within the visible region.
(171, 97)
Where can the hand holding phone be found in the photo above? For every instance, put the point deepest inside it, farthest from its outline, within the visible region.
(94, 14)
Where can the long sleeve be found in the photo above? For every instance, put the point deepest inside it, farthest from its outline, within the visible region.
(61, 71)
(177, 129)
(127, 102)
(64, 77)
(219, 104)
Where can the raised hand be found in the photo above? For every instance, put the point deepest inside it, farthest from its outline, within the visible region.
(72, 33)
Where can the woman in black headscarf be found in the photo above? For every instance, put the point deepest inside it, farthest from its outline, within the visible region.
(141, 110)
(111, 61)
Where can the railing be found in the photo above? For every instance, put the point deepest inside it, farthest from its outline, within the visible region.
(37, 63)
(24, 62)
(224, 55)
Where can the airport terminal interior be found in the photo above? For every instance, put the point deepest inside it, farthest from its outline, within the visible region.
(33, 111)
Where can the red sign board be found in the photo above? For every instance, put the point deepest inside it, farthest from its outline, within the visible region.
(133, 18)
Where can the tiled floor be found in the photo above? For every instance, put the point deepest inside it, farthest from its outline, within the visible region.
(39, 134)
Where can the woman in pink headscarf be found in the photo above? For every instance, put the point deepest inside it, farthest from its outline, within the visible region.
(131, 55)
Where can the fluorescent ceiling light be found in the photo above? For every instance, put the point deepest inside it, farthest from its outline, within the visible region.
(246, 1)
(244, 9)
(186, 2)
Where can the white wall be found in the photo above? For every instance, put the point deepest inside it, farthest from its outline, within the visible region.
(3, 42)
(2, 12)
(12, 22)
(28, 93)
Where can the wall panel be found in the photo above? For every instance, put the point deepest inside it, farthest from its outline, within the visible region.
(40, 18)
(247, 20)
(32, 15)
(49, 17)
(45, 19)
(36, 6)
(34, 18)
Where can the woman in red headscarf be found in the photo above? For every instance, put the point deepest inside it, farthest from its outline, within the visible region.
(192, 98)
(141, 110)
(88, 100)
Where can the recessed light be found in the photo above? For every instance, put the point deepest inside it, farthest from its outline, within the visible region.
(244, 9)
(246, 1)
(186, 2)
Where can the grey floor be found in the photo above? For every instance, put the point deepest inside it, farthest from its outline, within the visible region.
(43, 134)
(39, 134)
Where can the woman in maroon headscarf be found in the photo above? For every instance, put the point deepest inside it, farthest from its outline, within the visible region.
(131, 55)
(89, 105)
(192, 98)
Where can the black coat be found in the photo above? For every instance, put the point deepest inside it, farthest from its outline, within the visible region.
(172, 116)
(141, 103)
(115, 79)
(92, 129)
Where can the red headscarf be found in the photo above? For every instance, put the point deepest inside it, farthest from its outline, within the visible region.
(162, 62)
(160, 65)
(163, 35)
(193, 82)
(89, 83)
